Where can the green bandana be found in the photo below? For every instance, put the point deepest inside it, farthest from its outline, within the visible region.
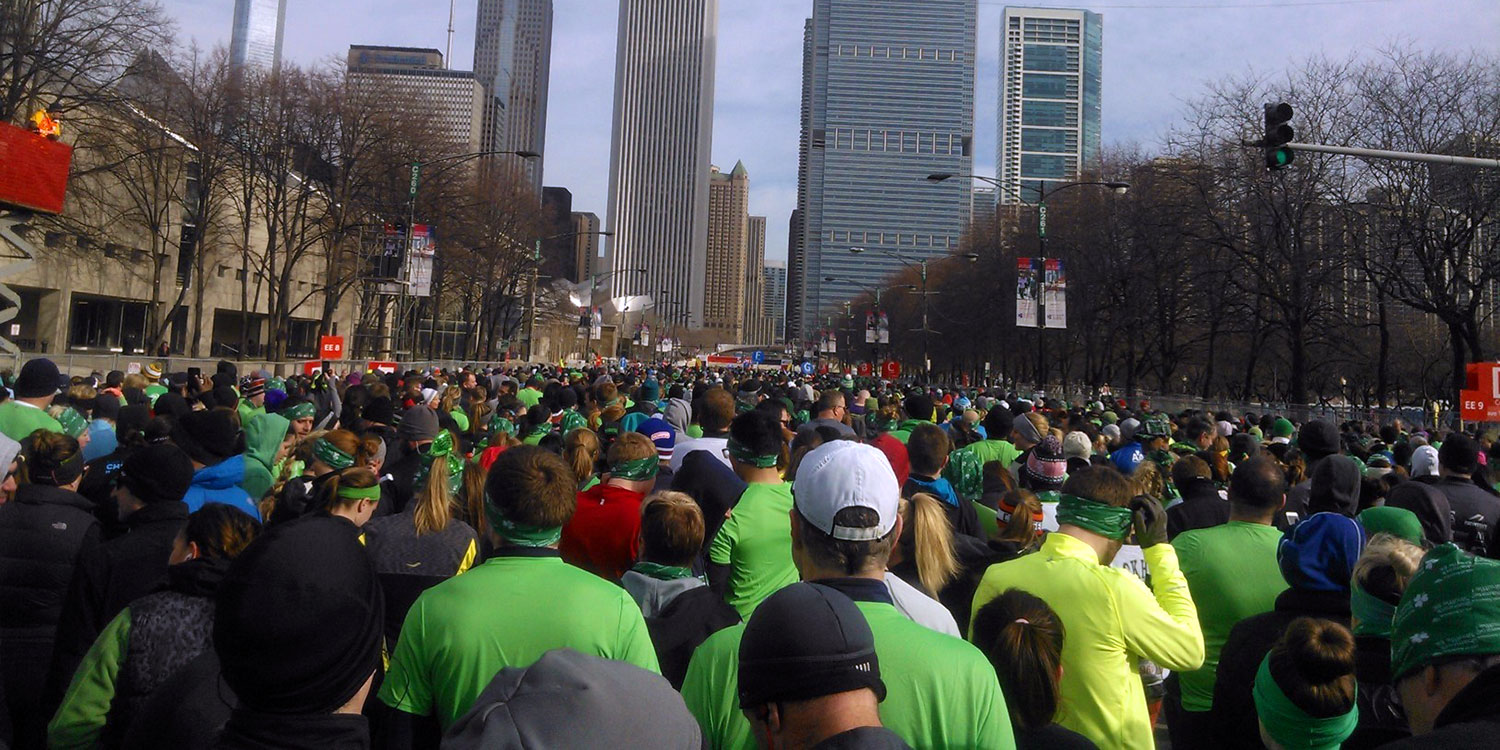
(72, 422)
(1105, 520)
(304, 410)
(276, 384)
(1158, 426)
(501, 424)
(1450, 608)
(638, 470)
(1164, 459)
(442, 448)
(328, 453)
(520, 534)
(744, 455)
(965, 472)
(572, 420)
(662, 572)
(544, 428)
(360, 493)
(1290, 726)
(1373, 616)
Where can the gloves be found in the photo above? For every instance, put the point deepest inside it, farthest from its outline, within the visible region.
(1150, 521)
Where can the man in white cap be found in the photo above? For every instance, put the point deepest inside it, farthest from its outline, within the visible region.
(942, 692)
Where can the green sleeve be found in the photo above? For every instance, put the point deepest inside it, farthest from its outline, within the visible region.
(80, 719)
(992, 724)
(708, 689)
(1161, 623)
(720, 551)
(406, 687)
(635, 640)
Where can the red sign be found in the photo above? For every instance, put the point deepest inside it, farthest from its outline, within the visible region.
(1481, 400)
(312, 368)
(388, 368)
(865, 369)
(33, 170)
(891, 370)
(332, 348)
(722, 360)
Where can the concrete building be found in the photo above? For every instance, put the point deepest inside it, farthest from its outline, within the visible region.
(757, 325)
(255, 40)
(415, 79)
(512, 62)
(586, 245)
(729, 246)
(659, 155)
(888, 98)
(1050, 93)
(774, 285)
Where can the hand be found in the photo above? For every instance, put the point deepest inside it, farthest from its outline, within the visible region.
(1150, 521)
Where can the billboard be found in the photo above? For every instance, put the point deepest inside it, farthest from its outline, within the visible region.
(884, 329)
(1054, 293)
(1026, 293)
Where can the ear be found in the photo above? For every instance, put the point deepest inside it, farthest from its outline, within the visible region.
(194, 550)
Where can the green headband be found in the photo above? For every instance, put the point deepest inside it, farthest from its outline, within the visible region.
(72, 422)
(744, 455)
(1374, 617)
(303, 410)
(519, 534)
(541, 429)
(1105, 520)
(501, 424)
(328, 453)
(1292, 727)
(638, 470)
(371, 493)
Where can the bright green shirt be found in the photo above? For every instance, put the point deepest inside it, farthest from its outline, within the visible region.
(80, 719)
(506, 613)
(18, 420)
(1232, 573)
(994, 450)
(248, 411)
(529, 396)
(756, 542)
(941, 692)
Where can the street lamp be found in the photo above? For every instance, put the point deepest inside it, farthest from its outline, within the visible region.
(535, 270)
(1116, 187)
(971, 257)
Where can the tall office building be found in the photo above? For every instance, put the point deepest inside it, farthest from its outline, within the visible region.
(774, 281)
(1051, 71)
(255, 40)
(728, 247)
(756, 325)
(888, 99)
(585, 245)
(796, 262)
(659, 155)
(414, 79)
(512, 61)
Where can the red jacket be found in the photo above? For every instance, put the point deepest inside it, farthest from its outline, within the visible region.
(603, 535)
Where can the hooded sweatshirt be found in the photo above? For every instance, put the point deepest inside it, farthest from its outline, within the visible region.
(220, 483)
(263, 436)
(679, 413)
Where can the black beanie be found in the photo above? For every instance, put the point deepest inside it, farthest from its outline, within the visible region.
(299, 620)
(806, 641)
(106, 406)
(1459, 454)
(208, 437)
(380, 411)
(38, 379)
(172, 405)
(158, 473)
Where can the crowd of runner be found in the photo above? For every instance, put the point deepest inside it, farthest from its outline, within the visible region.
(682, 558)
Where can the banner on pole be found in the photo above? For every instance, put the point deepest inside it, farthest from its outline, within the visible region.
(596, 325)
(419, 261)
(1026, 293)
(1055, 294)
(870, 334)
(884, 329)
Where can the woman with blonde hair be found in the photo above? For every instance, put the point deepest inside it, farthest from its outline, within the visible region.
(581, 449)
(1380, 577)
(924, 555)
(322, 454)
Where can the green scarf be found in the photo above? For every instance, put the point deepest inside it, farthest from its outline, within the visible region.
(662, 572)
(442, 448)
(1292, 727)
(325, 451)
(72, 422)
(1105, 520)
(544, 428)
(638, 470)
(519, 534)
(739, 452)
(1374, 617)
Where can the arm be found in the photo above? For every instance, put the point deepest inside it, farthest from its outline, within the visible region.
(635, 639)
(85, 706)
(406, 686)
(721, 558)
(1160, 623)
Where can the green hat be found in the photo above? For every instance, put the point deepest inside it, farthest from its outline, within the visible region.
(1283, 428)
(1398, 522)
(73, 423)
(1110, 417)
(1450, 608)
(1154, 426)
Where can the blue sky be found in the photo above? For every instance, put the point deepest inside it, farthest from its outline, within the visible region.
(1157, 54)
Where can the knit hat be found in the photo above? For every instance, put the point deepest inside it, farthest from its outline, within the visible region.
(1283, 428)
(158, 473)
(803, 642)
(1319, 553)
(39, 378)
(1077, 445)
(1398, 522)
(1046, 467)
(650, 390)
(1459, 454)
(299, 621)
(418, 423)
(1023, 427)
(1335, 486)
(106, 406)
(1430, 506)
(1318, 438)
(153, 371)
(1451, 607)
(208, 437)
(379, 410)
(661, 434)
(252, 387)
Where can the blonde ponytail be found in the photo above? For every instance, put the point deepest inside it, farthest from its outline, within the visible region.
(930, 541)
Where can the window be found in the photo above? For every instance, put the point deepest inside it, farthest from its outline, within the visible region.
(1039, 86)
(1055, 58)
(1049, 114)
(1053, 141)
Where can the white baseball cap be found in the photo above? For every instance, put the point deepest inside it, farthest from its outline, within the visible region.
(844, 474)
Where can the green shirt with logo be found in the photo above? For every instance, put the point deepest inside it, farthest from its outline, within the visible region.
(994, 450)
(756, 542)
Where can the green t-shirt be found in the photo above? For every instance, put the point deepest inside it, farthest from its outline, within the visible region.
(506, 613)
(940, 691)
(18, 420)
(987, 520)
(1232, 573)
(995, 450)
(529, 396)
(756, 542)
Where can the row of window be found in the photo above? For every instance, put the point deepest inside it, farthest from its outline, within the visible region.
(899, 141)
(897, 53)
(892, 238)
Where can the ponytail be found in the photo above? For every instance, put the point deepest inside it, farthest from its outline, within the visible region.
(1023, 639)
(435, 503)
(930, 539)
(581, 449)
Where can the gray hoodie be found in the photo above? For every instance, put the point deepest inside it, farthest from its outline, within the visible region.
(653, 595)
(679, 414)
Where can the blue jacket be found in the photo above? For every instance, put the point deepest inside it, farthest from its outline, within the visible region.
(220, 483)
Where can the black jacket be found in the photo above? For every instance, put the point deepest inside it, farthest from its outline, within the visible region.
(1381, 718)
(185, 712)
(1201, 508)
(714, 486)
(1476, 514)
(1471, 719)
(248, 730)
(98, 486)
(688, 620)
(403, 474)
(107, 579)
(1248, 644)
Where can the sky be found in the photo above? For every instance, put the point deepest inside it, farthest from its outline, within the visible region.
(1157, 55)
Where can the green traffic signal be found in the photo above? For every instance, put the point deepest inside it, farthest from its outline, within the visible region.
(1279, 133)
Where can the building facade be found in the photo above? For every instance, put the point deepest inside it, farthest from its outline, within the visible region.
(512, 62)
(415, 79)
(1050, 89)
(888, 99)
(586, 245)
(659, 156)
(774, 284)
(757, 325)
(729, 246)
(255, 40)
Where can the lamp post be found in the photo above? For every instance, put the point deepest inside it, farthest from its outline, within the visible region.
(877, 291)
(535, 271)
(1118, 188)
(922, 267)
(594, 280)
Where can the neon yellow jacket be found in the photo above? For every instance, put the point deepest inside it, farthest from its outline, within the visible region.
(1112, 622)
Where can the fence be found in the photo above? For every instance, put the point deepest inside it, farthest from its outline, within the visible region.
(83, 364)
(1411, 416)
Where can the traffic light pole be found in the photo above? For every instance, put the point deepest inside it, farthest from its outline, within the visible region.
(1372, 153)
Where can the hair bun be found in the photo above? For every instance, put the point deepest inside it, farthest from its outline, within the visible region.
(1322, 650)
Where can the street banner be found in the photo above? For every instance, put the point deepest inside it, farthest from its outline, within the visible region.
(1480, 401)
(645, 335)
(1055, 293)
(870, 335)
(832, 339)
(1026, 296)
(596, 323)
(585, 325)
(884, 329)
(392, 259)
(419, 261)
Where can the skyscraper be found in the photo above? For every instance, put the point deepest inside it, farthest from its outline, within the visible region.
(585, 244)
(774, 275)
(757, 327)
(414, 79)
(888, 99)
(659, 155)
(512, 61)
(256, 37)
(728, 247)
(1051, 71)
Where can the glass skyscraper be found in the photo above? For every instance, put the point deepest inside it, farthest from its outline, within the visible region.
(256, 37)
(1051, 70)
(888, 99)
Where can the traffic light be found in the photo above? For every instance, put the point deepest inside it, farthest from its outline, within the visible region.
(1278, 133)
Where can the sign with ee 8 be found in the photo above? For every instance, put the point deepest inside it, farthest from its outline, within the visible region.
(1480, 401)
(331, 348)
